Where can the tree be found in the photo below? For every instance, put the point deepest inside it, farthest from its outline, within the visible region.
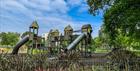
(123, 17)
(104, 37)
(25, 34)
(9, 38)
(120, 17)
(96, 42)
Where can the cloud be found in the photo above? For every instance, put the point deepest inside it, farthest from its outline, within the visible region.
(83, 8)
(34, 8)
(54, 6)
(57, 23)
(60, 23)
(81, 5)
(17, 15)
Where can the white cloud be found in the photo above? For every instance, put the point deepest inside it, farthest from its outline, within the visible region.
(80, 4)
(58, 23)
(46, 5)
(49, 13)
(83, 8)
(13, 6)
(34, 8)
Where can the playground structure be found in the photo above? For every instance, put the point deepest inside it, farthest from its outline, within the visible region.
(57, 43)
(62, 48)
(32, 38)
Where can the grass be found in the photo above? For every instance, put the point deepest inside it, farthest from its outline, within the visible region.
(101, 50)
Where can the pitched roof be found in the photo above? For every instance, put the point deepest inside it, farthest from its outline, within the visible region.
(34, 25)
(86, 26)
(54, 30)
(68, 28)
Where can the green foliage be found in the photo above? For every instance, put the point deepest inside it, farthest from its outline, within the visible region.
(9, 38)
(97, 42)
(25, 34)
(121, 21)
(123, 17)
(39, 51)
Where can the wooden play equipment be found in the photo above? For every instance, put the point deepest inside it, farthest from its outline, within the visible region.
(33, 38)
(57, 43)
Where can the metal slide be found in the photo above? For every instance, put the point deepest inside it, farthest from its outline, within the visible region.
(19, 44)
(75, 42)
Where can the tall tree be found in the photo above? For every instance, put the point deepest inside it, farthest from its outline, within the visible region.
(120, 17)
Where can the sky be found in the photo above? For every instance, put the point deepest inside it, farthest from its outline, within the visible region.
(17, 15)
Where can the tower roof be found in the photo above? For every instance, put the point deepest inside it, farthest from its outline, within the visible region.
(34, 25)
(86, 26)
(54, 30)
(68, 28)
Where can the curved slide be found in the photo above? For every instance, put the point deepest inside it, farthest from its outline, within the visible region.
(75, 42)
(19, 44)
